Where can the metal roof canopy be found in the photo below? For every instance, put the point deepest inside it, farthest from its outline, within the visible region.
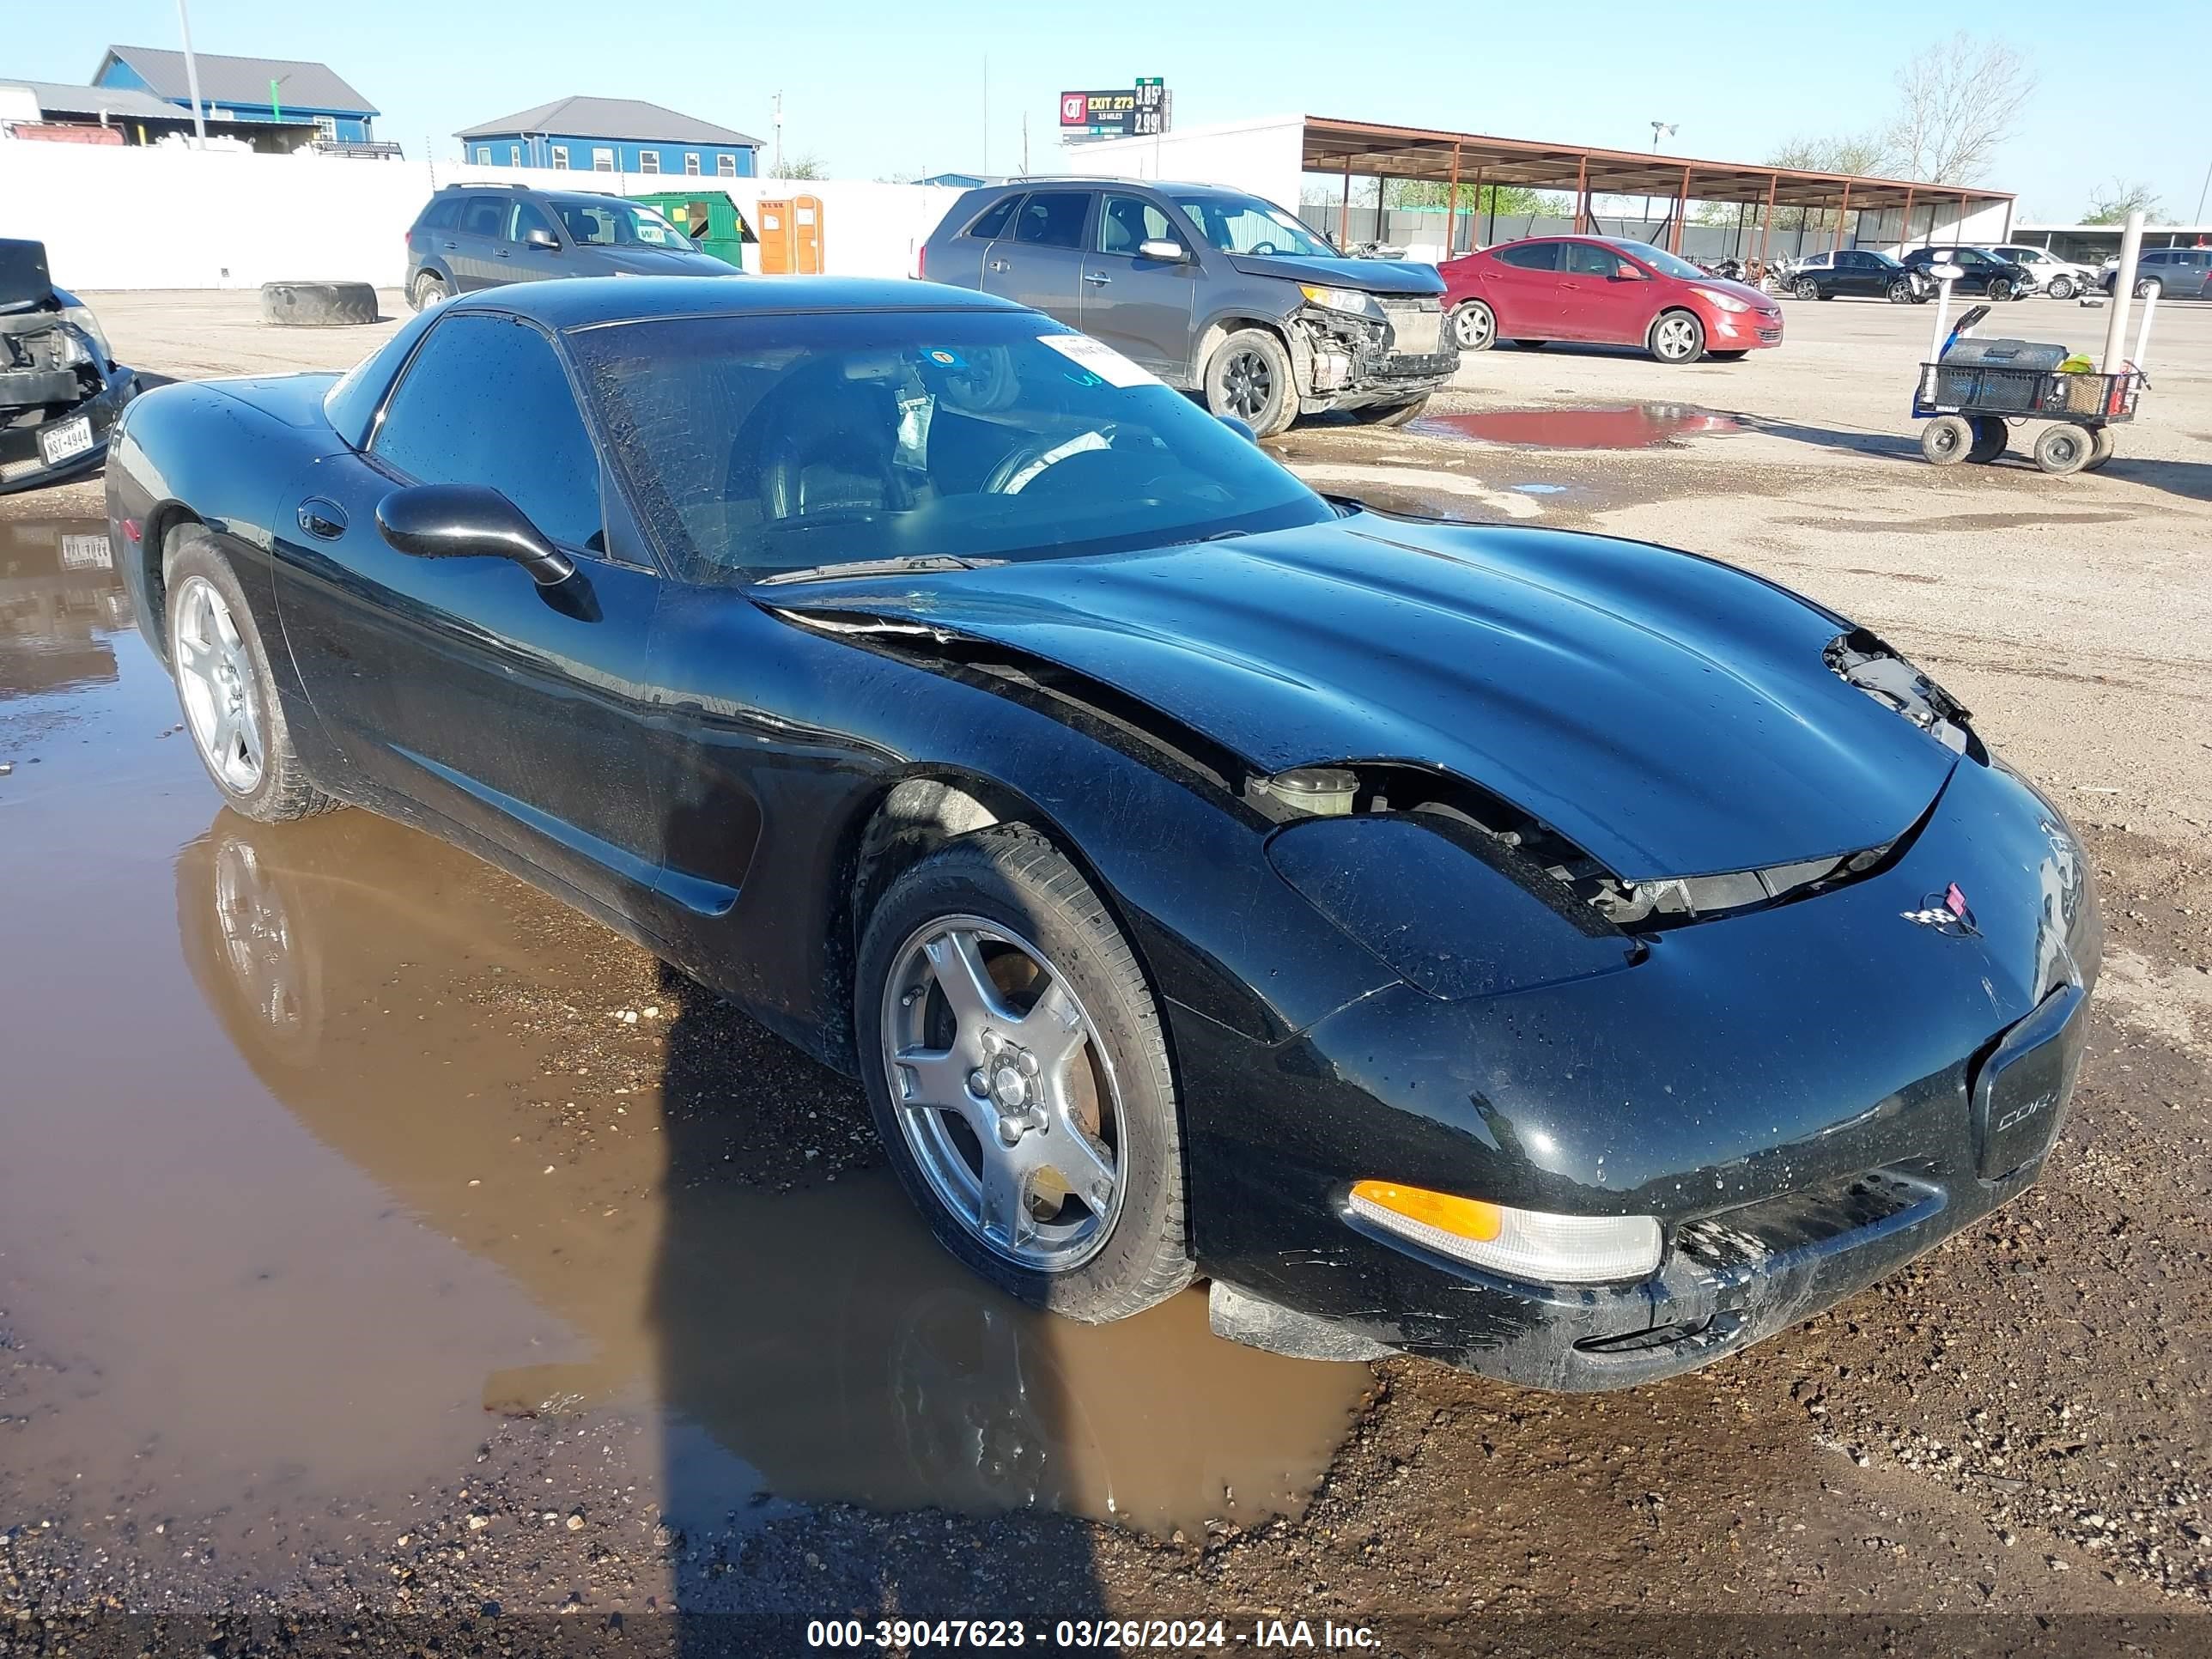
(1475, 160)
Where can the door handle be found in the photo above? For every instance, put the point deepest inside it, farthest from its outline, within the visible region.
(324, 520)
(501, 252)
(1095, 280)
(1001, 264)
(450, 246)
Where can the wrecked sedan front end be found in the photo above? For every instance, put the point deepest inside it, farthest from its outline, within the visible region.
(1718, 969)
(61, 390)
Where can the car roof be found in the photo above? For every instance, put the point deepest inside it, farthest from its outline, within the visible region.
(569, 302)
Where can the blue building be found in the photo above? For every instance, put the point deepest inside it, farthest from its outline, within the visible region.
(611, 135)
(235, 92)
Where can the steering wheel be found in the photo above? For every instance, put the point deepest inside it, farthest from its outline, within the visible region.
(1050, 451)
(1265, 247)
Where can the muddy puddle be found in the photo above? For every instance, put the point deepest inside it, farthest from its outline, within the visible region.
(1627, 426)
(308, 1187)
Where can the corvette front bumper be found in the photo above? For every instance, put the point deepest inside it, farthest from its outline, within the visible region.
(1806, 1096)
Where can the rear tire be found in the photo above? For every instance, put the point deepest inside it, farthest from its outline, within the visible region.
(224, 687)
(1004, 903)
(1249, 376)
(1676, 338)
(1947, 440)
(1474, 326)
(2063, 449)
(2100, 449)
(1991, 434)
(428, 289)
(318, 305)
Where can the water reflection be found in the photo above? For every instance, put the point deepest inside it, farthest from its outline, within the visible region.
(380, 985)
(60, 598)
(1630, 426)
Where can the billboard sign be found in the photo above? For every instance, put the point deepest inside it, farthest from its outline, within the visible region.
(1136, 111)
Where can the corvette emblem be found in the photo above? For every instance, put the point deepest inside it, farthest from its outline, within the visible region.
(1946, 912)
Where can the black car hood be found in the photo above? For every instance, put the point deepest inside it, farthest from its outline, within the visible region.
(640, 261)
(1671, 714)
(1373, 276)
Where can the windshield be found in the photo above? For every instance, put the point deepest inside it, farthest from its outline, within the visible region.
(1665, 263)
(767, 444)
(603, 221)
(1246, 224)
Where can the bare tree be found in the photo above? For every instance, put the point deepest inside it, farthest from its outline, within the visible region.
(1957, 102)
(808, 166)
(2110, 204)
(1859, 153)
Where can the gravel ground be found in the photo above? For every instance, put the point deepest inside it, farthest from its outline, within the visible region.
(2005, 1447)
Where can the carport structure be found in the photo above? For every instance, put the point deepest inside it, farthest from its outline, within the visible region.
(1468, 163)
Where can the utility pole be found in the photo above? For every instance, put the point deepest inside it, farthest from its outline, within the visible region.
(986, 167)
(1659, 130)
(192, 74)
(1025, 144)
(778, 167)
(2202, 190)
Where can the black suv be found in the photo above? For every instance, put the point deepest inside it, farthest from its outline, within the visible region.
(471, 236)
(1212, 289)
(1980, 272)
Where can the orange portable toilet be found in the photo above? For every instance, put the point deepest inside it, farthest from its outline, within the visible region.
(791, 236)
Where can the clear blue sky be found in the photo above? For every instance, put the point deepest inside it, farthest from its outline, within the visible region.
(877, 87)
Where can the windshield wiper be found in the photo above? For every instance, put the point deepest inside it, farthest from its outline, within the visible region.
(904, 565)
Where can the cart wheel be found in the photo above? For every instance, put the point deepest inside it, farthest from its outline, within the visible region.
(1946, 440)
(2101, 448)
(1990, 435)
(2063, 449)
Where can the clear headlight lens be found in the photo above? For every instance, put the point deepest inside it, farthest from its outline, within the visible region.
(1349, 300)
(1526, 1244)
(1725, 301)
(82, 317)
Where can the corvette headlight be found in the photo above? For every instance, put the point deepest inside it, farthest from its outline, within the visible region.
(1447, 917)
(1349, 300)
(1526, 1244)
(1725, 301)
(83, 318)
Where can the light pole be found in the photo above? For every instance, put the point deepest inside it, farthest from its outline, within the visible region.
(1659, 130)
(192, 74)
(779, 135)
(2200, 189)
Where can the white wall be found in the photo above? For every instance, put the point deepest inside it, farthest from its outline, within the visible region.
(1260, 156)
(161, 217)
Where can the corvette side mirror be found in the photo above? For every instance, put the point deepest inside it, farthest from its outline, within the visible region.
(469, 521)
(541, 238)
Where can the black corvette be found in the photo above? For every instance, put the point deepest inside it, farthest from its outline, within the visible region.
(1565, 957)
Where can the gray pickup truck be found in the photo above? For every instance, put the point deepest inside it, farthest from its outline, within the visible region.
(1214, 290)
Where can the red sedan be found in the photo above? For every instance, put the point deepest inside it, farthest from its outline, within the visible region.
(1604, 289)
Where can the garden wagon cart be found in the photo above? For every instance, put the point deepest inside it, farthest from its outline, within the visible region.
(1977, 388)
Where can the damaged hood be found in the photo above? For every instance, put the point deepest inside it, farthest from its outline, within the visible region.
(1373, 276)
(640, 261)
(1671, 714)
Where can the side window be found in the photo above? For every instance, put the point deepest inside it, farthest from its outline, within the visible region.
(994, 220)
(442, 214)
(560, 158)
(691, 163)
(485, 401)
(528, 216)
(1128, 222)
(725, 167)
(1532, 255)
(1053, 218)
(484, 215)
(1588, 259)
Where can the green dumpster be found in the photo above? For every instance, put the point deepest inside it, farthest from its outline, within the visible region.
(708, 217)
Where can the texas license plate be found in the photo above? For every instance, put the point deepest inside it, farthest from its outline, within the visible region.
(64, 439)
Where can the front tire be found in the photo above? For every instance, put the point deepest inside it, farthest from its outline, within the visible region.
(1474, 326)
(1676, 338)
(2062, 288)
(1807, 288)
(224, 687)
(1947, 440)
(2147, 286)
(1991, 434)
(2061, 449)
(2100, 449)
(1999, 290)
(1249, 376)
(1900, 292)
(1016, 1064)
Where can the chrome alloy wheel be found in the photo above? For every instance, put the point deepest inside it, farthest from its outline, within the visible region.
(1676, 338)
(214, 682)
(1004, 1093)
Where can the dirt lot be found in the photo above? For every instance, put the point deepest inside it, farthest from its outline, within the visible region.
(382, 1246)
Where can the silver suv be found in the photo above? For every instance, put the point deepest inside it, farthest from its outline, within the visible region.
(1214, 290)
(473, 236)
